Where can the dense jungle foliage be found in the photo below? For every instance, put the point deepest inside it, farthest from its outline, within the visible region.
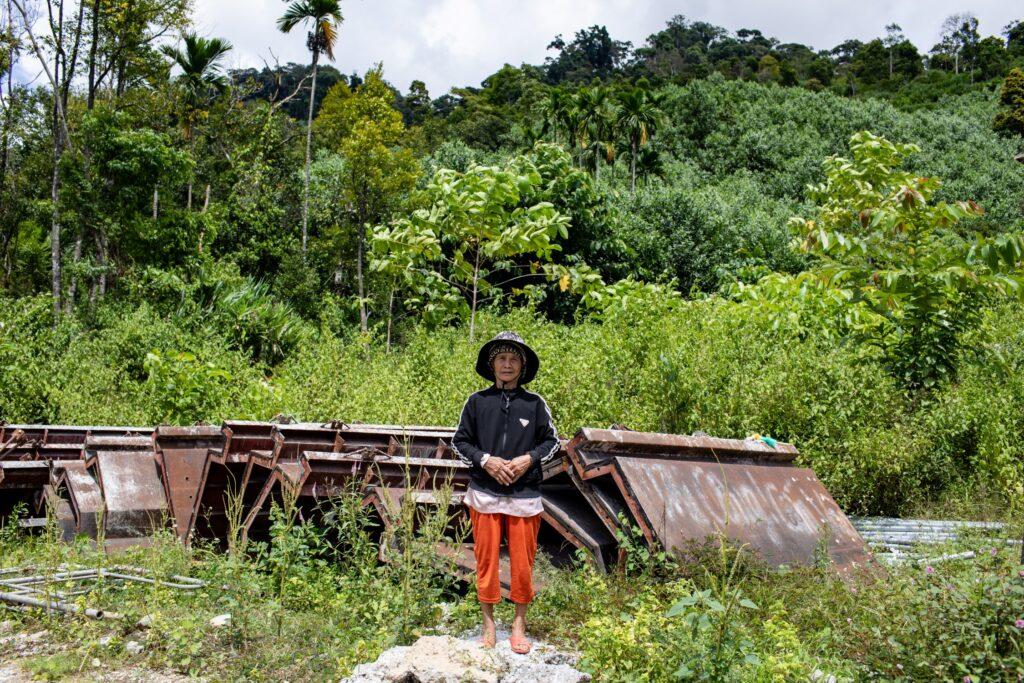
(710, 231)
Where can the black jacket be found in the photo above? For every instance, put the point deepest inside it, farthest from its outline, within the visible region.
(506, 424)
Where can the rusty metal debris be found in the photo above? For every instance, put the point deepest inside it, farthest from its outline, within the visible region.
(673, 490)
(678, 490)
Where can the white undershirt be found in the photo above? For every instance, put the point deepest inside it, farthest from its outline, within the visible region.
(489, 503)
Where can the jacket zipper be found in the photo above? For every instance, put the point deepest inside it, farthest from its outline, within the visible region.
(504, 426)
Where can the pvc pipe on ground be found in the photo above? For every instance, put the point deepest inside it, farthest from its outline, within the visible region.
(18, 599)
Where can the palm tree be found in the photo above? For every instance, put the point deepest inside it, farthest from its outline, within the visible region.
(556, 114)
(325, 17)
(596, 115)
(202, 78)
(650, 163)
(586, 103)
(639, 115)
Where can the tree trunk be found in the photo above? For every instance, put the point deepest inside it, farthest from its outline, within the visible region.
(94, 289)
(9, 109)
(305, 186)
(359, 274)
(69, 302)
(391, 306)
(93, 85)
(890, 62)
(70, 65)
(632, 165)
(55, 273)
(61, 137)
(472, 310)
(54, 83)
(191, 153)
(202, 230)
(101, 257)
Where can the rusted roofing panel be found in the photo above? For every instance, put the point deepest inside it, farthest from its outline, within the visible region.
(784, 513)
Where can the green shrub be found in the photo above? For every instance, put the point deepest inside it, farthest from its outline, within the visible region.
(946, 622)
(702, 232)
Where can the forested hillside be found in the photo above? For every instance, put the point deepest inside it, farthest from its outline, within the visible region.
(667, 223)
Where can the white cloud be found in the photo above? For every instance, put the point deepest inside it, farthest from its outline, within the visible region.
(450, 43)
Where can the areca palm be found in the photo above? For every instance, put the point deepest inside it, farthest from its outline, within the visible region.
(556, 114)
(650, 163)
(596, 115)
(324, 16)
(202, 78)
(639, 116)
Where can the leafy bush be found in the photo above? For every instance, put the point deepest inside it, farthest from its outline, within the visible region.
(183, 386)
(781, 135)
(266, 328)
(701, 233)
(944, 623)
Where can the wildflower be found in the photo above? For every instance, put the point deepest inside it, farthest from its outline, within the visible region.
(968, 679)
(993, 552)
(1019, 623)
(929, 569)
(1021, 573)
(900, 667)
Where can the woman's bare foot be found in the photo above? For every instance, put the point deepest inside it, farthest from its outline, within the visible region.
(520, 644)
(488, 628)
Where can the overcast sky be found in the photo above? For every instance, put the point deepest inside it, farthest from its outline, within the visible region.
(450, 43)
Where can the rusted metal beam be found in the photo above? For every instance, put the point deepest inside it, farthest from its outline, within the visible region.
(69, 433)
(21, 483)
(132, 489)
(221, 479)
(568, 513)
(83, 492)
(591, 450)
(62, 513)
(181, 453)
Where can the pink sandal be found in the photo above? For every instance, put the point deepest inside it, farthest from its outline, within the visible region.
(520, 645)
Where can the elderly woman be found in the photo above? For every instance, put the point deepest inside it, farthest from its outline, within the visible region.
(505, 434)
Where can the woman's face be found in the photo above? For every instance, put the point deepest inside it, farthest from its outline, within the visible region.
(507, 367)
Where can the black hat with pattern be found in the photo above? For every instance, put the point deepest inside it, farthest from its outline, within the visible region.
(531, 363)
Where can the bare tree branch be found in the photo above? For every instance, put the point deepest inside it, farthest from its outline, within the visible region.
(21, 5)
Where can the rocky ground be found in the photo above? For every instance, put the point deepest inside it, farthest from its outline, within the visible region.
(17, 650)
(431, 659)
(447, 659)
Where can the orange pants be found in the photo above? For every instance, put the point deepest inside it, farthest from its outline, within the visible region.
(521, 536)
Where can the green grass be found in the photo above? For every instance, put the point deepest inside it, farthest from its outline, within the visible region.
(311, 605)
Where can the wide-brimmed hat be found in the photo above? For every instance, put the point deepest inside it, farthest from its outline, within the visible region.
(530, 366)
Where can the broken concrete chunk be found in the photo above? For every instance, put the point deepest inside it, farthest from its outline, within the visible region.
(220, 621)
